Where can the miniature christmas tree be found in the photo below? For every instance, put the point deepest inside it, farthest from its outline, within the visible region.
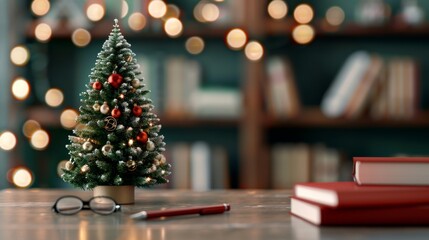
(117, 141)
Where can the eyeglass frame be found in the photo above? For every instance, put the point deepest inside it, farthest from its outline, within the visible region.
(85, 205)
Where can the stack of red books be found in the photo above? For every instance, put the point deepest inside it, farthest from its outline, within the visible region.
(385, 191)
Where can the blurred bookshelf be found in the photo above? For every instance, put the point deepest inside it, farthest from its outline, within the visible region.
(251, 137)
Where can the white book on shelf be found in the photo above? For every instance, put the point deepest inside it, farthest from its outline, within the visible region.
(339, 94)
(216, 102)
(200, 166)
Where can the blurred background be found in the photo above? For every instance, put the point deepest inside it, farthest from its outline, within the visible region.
(250, 93)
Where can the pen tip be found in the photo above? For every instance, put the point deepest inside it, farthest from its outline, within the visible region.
(139, 215)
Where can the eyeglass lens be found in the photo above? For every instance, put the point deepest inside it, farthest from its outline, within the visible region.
(71, 205)
(102, 205)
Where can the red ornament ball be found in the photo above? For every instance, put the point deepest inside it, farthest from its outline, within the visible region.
(116, 113)
(97, 85)
(115, 80)
(142, 137)
(137, 110)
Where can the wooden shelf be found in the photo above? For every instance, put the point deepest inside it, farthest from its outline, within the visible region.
(285, 27)
(102, 29)
(314, 118)
(190, 122)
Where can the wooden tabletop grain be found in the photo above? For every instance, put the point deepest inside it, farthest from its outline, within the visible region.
(259, 214)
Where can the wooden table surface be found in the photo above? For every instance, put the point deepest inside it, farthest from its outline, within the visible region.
(26, 214)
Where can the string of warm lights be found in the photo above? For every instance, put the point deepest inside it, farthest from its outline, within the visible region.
(169, 14)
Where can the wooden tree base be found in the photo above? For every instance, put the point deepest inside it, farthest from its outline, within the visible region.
(121, 194)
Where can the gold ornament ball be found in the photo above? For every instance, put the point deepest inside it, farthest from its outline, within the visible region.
(135, 83)
(96, 107)
(131, 164)
(84, 168)
(150, 146)
(87, 146)
(106, 149)
(104, 109)
(69, 166)
(161, 159)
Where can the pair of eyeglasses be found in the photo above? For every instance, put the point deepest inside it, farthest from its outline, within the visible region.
(69, 205)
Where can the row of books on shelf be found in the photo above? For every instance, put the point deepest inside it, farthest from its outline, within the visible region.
(177, 90)
(294, 163)
(366, 85)
(386, 191)
(198, 166)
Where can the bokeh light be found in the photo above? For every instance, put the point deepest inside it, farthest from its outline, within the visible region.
(81, 37)
(125, 8)
(198, 12)
(157, 8)
(173, 27)
(95, 12)
(43, 32)
(61, 165)
(40, 139)
(29, 127)
(54, 97)
(19, 55)
(254, 51)
(173, 11)
(22, 177)
(194, 45)
(335, 16)
(303, 34)
(20, 88)
(7, 141)
(236, 38)
(68, 118)
(277, 9)
(40, 7)
(137, 21)
(210, 12)
(303, 13)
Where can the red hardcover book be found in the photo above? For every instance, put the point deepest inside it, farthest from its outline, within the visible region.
(394, 215)
(391, 170)
(348, 194)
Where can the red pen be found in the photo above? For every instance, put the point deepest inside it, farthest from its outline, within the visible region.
(202, 210)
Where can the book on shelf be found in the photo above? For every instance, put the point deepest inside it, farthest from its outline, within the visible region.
(293, 163)
(199, 166)
(397, 94)
(282, 97)
(349, 194)
(290, 164)
(348, 79)
(218, 102)
(361, 96)
(180, 165)
(391, 170)
(368, 84)
(182, 78)
(326, 163)
(320, 214)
